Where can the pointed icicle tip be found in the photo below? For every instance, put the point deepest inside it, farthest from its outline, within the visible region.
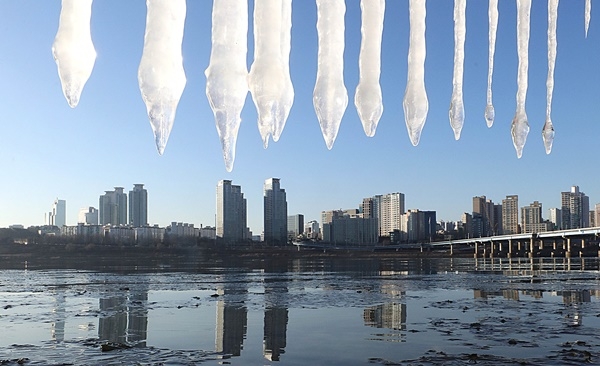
(548, 136)
(228, 146)
(519, 131)
(490, 114)
(415, 135)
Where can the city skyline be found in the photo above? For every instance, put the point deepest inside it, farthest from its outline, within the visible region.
(107, 139)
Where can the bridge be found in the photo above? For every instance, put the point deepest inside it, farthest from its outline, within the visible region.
(584, 241)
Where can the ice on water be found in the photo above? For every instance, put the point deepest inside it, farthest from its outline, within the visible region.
(73, 49)
(226, 75)
(160, 75)
(330, 97)
(269, 79)
(415, 101)
(368, 98)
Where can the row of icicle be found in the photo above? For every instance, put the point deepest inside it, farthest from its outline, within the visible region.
(162, 78)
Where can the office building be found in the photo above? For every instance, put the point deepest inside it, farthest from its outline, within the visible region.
(231, 213)
(531, 217)
(275, 213)
(555, 217)
(418, 226)
(113, 207)
(295, 226)
(88, 216)
(58, 215)
(484, 221)
(575, 207)
(344, 228)
(510, 215)
(311, 229)
(138, 206)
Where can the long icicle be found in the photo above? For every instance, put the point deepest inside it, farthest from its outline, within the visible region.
(520, 127)
(73, 49)
(160, 75)
(368, 98)
(548, 130)
(588, 15)
(330, 97)
(457, 108)
(493, 27)
(415, 101)
(286, 46)
(226, 75)
(268, 81)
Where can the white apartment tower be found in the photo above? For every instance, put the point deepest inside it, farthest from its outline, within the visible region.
(58, 215)
(88, 216)
(231, 212)
(138, 206)
(390, 208)
(113, 207)
(275, 212)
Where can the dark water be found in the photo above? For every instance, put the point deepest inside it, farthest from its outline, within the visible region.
(305, 312)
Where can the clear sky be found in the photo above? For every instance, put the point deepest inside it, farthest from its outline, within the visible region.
(49, 150)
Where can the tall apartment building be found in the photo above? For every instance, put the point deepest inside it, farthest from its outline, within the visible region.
(531, 218)
(113, 207)
(295, 225)
(275, 212)
(387, 209)
(575, 206)
(484, 218)
(138, 206)
(88, 216)
(597, 214)
(231, 212)
(555, 217)
(419, 226)
(58, 215)
(510, 215)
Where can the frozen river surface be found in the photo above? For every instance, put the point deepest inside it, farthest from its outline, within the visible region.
(305, 312)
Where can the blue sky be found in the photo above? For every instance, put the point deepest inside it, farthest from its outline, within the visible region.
(49, 150)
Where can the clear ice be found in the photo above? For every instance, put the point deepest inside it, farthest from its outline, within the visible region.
(588, 15)
(269, 79)
(520, 127)
(160, 75)
(226, 75)
(368, 98)
(73, 49)
(415, 101)
(457, 109)
(330, 97)
(493, 27)
(548, 130)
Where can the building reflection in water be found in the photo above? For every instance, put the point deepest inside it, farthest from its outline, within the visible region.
(276, 316)
(232, 318)
(125, 318)
(389, 316)
(58, 311)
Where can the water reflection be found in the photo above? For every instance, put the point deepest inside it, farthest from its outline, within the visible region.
(232, 319)
(275, 314)
(124, 317)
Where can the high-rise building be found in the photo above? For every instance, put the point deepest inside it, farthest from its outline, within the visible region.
(88, 216)
(113, 207)
(484, 220)
(295, 226)
(575, 206)
(231, 212)
(419, 226)
(275, 213)
(138, 206)
(510, 215)
(555, 217)
(597, 214)
(531, 218)
(387, 209)
(58, 215)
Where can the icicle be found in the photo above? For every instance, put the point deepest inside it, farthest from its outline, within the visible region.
(415, 101)
(330, 97)
(548, 130)
(457, 109)
(160, 75)
(588, 15)
(226, 75)
(73, 49)
(368, 99)
(269, 79)
(493, 26)
(520, 126)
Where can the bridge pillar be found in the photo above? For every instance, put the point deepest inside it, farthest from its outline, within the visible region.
(531, 245)
(541, 244)
(568, 252)
(492, 249)
(475, 255)
(553, 244)
(451, 250)
(509, 254)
